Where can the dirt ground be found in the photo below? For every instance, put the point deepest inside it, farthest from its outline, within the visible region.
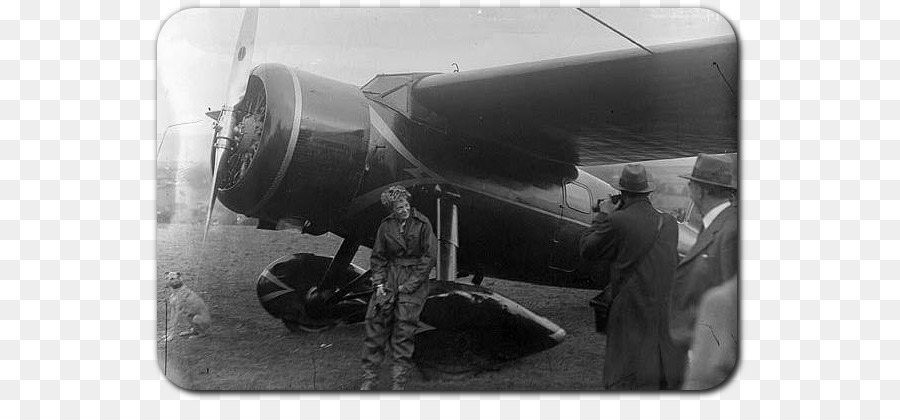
(246, 349)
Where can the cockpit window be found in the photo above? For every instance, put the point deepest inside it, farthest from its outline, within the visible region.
(578, 198)
(384, 83)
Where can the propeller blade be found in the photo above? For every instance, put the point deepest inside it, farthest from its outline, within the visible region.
(237, 85)
(241, 60)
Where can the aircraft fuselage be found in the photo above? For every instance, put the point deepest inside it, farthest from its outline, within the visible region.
(516, 222)
(322, 151)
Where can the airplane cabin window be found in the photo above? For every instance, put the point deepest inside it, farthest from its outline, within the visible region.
(578, 198)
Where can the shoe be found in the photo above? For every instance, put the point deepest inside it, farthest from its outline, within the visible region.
(368, 385)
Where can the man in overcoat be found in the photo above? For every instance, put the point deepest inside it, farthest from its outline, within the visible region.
(641, 243)
(714, 257)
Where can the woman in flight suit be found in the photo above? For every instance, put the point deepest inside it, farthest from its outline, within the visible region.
(401, 262)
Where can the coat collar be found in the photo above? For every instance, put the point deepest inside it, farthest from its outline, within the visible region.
(710, 217)
(635, 202)
(394, 232)
(707, 235)
(413, 213)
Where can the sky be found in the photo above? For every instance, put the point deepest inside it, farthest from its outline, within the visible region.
(353, 45)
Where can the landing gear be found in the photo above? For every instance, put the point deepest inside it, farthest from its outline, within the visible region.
(314, 293)
(291, 289)
(322, 294)
(477, 277)
(447, 232)
(339, 263)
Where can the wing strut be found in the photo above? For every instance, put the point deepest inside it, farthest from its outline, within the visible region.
(614, 30)
(448, 233)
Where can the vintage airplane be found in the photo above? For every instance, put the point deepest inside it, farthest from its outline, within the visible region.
(494, 157)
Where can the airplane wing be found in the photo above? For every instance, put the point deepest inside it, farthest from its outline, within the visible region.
(611, 107)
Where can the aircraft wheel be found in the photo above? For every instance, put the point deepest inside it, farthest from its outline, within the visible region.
(284, 289)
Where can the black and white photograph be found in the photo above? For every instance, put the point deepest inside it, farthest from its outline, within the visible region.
(428, 200)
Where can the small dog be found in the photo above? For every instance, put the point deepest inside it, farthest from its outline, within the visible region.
(185, 308)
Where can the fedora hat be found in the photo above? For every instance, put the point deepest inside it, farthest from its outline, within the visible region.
(715, 170)
(634, 179)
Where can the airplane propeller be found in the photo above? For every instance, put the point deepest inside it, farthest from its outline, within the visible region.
(223, 140)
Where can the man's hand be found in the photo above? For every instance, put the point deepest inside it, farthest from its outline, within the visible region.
(607, 206)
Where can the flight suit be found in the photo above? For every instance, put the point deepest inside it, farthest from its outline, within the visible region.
(402, 259)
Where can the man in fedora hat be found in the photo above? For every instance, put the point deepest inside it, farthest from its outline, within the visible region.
(714, 257)
(641, 245)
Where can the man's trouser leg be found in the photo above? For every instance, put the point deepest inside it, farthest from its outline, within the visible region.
(378, 332)
(403, 341)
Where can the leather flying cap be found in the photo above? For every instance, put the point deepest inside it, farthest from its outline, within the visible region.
(634, 179)
(715, 170)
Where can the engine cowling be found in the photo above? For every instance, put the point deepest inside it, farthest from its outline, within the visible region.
(300, 148)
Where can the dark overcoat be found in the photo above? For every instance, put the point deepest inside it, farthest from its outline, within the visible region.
(639, 351)
(711, 261)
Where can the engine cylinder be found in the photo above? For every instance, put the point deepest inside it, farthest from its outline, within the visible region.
(300, 150)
